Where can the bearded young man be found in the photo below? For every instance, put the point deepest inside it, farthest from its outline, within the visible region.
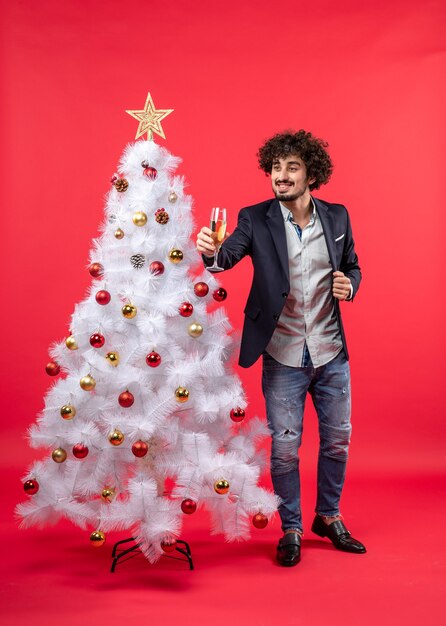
(304, 262)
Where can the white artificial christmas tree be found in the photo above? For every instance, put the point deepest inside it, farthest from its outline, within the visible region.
(147, 391)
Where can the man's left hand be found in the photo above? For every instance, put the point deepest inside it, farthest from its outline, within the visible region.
(341, 286)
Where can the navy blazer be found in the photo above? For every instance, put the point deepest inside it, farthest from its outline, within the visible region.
(260, 233)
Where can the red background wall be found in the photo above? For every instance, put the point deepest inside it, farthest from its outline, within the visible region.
(369, 79)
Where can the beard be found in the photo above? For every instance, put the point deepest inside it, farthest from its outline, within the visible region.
(288, 197)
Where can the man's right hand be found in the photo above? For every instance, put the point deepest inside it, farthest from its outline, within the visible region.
(204, 244)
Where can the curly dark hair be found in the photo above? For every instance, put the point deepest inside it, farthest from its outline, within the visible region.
(303, 144)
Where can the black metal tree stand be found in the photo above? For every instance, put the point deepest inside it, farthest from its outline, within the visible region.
(120, 554)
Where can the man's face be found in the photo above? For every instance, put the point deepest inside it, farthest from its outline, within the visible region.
(289, 178)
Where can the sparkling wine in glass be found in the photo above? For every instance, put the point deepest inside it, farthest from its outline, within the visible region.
(218, 228)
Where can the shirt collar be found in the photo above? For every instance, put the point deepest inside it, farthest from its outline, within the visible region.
(288, 216)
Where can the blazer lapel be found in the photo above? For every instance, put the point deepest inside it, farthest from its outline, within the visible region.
(275, 223)
(327, 227)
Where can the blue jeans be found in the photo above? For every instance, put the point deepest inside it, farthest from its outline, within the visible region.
(285, 389)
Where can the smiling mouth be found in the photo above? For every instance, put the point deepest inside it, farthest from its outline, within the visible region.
(282, 186)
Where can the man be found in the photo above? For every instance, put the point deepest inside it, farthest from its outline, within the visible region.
(304, 263)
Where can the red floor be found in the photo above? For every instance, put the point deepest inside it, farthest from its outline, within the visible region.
(53, 576)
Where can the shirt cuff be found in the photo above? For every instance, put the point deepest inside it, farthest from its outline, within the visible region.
(351, 292)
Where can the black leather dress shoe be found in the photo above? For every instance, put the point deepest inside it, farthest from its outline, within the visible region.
(338, 535)
(288, 550)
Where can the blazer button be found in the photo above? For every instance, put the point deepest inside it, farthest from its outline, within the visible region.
(284, 295)
(276, 316)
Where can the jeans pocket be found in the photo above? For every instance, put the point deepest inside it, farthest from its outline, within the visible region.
(278, 385)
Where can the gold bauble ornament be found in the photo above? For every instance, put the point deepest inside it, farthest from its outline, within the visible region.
(139, 218)
(129, 311)
(97, 538)
(107, 494)
(59, 455)
(221, 486)
(68, 411)
(195, 329)
(87, 382)
(175, 255)
(173, 197)
(119, 233)
(70, 342)
(182, 394)
(112, 358)
(116, 437)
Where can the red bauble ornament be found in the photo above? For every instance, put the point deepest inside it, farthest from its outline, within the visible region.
(126, 399)
(220, 294)
(140, 449)
(150, 172)
(31, 486)
(103, 297)
(80, 451)
(186, 309)
(169, 545)
(96, 270)
(153, 359)
(97, 340)
(201, 289)
(156, 267)
(52, 368)
(188, 506)
(260, 521)
(237, 415)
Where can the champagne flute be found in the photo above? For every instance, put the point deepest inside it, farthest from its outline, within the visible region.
(218, 228)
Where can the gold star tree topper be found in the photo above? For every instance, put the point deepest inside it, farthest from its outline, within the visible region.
(150, 119)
